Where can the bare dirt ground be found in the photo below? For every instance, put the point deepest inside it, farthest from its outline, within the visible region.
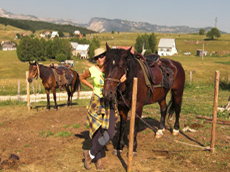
(40, 139)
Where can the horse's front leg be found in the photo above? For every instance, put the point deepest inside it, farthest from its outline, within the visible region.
(54, 96)
(121, 143)
(163, 109)
(139, 110)
(48, 99)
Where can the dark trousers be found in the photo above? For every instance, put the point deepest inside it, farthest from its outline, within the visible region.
(101, 136)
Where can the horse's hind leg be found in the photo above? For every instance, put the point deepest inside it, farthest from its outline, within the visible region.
(69, 101)
(48, 99)
(163, 108)
(177, 101)
(54, 96)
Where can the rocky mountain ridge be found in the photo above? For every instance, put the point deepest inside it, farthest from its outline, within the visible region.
(108, 25)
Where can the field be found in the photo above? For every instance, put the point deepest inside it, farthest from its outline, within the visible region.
(54, 140)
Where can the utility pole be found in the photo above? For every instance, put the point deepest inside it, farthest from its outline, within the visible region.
(203, 53)
(216, 22)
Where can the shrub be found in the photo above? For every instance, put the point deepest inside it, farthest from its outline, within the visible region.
(61, 57)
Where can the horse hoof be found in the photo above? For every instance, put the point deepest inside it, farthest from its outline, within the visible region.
(175, 132)
(134, 154)
(116, 152)
(159, 134)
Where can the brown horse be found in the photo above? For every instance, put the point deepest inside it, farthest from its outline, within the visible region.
(170, 73)
(49, 81)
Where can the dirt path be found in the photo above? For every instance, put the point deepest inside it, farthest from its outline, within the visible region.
(54, 141)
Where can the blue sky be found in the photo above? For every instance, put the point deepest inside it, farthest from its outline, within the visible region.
(192, 13)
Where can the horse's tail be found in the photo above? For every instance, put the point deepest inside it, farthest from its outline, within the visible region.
(77, 85)
(171, 106)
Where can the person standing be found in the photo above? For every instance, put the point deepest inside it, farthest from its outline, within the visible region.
(101, 115)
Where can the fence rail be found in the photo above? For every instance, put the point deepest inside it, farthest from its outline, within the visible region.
(42, 97)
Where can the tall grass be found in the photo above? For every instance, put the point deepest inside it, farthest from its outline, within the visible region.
(12, 70)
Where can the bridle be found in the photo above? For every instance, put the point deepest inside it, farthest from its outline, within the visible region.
(117, 87)
(38, 71)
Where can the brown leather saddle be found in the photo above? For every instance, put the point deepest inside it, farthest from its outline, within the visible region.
(158, 72)
(62, 75)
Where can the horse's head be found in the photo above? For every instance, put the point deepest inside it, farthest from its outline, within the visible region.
(33, 71)
(116, 66)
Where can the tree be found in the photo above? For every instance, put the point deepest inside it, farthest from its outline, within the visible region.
(94, 44)
(24, 49)
(61, 34)
(149, 43)
(202, 31)
(18, 36)
(152, 43)
(214, 32)
(61, 57)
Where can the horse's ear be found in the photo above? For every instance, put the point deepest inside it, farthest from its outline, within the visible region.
(30, 63)
(107, 47)
(127, 52)
(130, 49)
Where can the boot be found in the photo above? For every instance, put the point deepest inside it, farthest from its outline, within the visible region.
(99, 165)
(88, 160)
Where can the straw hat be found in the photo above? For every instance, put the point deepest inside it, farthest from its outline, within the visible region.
(98, 52)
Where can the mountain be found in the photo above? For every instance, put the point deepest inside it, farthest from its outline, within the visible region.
(109, 25)
(10, 15)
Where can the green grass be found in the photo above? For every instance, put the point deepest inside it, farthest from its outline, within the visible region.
(76, 126)
(198, 94)
(63, 134)
(46, 133)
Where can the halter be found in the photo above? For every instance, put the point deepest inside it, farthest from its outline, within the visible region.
(116, 80)
(112, 79)
(38, 70)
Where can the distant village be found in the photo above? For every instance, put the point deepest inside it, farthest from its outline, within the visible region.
(166, 46)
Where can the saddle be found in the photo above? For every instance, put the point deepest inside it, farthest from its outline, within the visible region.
(62, 75)
(158, 72)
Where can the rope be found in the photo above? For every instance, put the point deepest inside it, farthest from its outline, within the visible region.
(188, 144)
(154, 130)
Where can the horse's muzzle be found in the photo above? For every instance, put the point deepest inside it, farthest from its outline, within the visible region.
(109, 96)
(30, 80)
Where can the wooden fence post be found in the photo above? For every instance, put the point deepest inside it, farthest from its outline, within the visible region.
(190, 77)
(28, 90)
(215, 104)
(19, 90)
(132, 124)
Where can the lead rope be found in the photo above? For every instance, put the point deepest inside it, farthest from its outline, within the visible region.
(154, 130)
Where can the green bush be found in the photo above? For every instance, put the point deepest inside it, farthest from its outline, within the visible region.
(61, 57)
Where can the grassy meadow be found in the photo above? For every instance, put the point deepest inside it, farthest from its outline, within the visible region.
(199, 92)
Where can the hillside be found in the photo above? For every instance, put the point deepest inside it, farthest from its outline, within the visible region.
(108, 25)
(38, 25)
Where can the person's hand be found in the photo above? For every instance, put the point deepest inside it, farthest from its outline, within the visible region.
(123, 78)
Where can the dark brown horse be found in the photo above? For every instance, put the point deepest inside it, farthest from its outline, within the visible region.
(49, 81)
(119, 62)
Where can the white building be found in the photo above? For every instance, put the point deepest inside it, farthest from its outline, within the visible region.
(76, 32)
(54, 33)
(167, 47)
(8, 46)
(81, 49)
